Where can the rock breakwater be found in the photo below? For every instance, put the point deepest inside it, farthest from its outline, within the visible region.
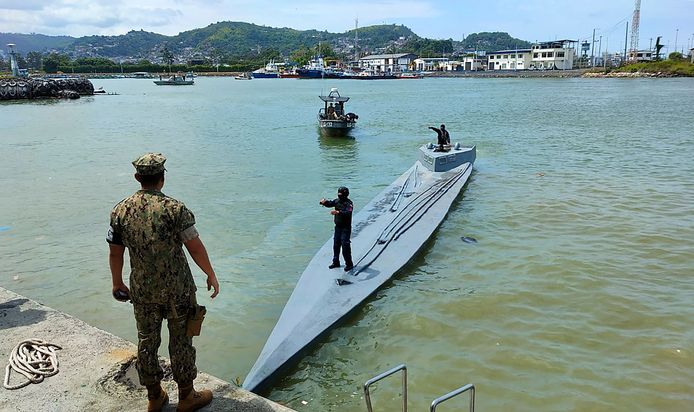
(44, 88)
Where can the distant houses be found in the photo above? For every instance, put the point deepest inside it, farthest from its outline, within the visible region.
(552, 55)
(387, 63)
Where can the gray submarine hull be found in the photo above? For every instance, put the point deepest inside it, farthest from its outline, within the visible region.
(386, 234)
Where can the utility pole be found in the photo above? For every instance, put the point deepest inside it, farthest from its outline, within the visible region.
(677, 32)
(592, 51)
(356, 40)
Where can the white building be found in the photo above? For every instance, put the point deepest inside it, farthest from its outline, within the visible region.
(428, 64)
(553, 55)
(473, 63)
(509, 59)
(640, 55)
(387, 63)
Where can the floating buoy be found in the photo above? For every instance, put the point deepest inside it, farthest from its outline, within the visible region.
(468, 239)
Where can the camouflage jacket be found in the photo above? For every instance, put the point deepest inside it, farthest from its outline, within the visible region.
(153, 227)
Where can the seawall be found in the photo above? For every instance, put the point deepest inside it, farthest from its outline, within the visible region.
(97, 371)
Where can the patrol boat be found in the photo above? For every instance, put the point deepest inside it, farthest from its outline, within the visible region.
(386, 234)
(335, 122)
(174, 80)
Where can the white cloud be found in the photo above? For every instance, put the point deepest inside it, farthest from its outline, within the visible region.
(527, 19)
(21, 4)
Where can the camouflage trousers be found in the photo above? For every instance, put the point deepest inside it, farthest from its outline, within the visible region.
(149, 318)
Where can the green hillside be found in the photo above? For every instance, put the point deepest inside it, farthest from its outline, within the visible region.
(493, 41)
(35, 42)
(134, 43)
(244, 39)
(238, 41)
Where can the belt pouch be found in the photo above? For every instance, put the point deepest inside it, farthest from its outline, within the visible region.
(195, 317)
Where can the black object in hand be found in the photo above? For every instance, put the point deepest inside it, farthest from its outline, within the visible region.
(121, 295)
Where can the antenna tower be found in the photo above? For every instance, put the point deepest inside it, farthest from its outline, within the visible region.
(356, 39)
(634, 45)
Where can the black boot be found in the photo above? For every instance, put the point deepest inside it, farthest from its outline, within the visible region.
(349, 266)
(335, 264)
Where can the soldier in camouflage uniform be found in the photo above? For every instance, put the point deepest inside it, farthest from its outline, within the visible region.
(154, 227)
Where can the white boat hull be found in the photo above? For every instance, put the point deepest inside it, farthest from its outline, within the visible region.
(386, 234)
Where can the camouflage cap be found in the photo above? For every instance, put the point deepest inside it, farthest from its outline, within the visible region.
(149, 164)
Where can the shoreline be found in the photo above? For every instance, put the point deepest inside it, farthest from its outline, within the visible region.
(495, 74)
(96, 369)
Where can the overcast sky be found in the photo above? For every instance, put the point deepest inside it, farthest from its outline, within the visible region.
(525, 19)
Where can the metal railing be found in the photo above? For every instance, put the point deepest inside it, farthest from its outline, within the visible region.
(436, 402)
(469, 387)
(367, 395)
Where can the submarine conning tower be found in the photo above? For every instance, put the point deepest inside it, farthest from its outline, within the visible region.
(443, 161)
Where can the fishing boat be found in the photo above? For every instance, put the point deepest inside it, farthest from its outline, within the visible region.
(373, 75)
(410, 75)
(174, 80)
(315, 69)
(386, 234)
(243, 76)
(291, 74)
(270, 71)
(332, 118)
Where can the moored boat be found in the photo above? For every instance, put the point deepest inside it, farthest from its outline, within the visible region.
(174, 80)
(315, 69)
(332, 118)
(243, 76)
(367, 75)
(270, 71)
(292, 74)
(410, 75)
(387, 233)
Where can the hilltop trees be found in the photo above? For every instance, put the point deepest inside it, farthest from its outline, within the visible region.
(428, 47)
(34, 60)
(55, 60)
(493, 41)
(304, 54)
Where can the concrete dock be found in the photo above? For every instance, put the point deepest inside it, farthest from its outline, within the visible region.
(97, 369)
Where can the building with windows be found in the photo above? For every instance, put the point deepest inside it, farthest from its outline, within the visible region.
(387, 63)
(553, 55)
(472, 63)
(640, 55)
(429, 64)
(509, 59)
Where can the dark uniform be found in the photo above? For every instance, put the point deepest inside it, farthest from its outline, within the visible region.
(343, 228)
(443, 137)
(153, 227)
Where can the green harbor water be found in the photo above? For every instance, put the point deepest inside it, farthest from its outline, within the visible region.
(577, 296)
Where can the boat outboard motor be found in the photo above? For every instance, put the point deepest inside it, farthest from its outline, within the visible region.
(342, 192)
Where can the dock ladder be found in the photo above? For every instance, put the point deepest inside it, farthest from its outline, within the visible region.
(436, 402)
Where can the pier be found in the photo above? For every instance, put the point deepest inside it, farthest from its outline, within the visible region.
(96, 368)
